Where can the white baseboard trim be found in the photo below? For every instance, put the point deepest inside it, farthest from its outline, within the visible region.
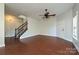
(9, 36)
(44, 34)
(2, 45)
(76, 44)
(65, 39)
(22, 37)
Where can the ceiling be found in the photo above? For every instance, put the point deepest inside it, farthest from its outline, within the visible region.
(36, 9)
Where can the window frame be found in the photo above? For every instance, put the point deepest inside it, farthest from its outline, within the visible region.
(75, 35)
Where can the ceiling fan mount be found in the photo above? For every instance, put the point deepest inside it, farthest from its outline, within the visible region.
(47, 14)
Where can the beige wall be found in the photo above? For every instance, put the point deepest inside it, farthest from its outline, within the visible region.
(11, 22)
(2, 40)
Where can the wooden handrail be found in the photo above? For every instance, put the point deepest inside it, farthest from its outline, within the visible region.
(22, 25)
(20, 30)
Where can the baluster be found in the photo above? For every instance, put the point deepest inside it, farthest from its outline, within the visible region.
(20, 30)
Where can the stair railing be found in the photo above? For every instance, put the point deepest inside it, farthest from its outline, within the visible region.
(20, 30)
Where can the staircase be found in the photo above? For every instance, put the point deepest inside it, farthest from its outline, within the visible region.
(20, 30)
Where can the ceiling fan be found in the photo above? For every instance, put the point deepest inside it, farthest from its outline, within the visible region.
(47, 14)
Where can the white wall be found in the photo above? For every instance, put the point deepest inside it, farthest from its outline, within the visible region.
(11, 22)
(40, 27)
(47, 26)
(64, 25)
(32, 28)
(2, 25)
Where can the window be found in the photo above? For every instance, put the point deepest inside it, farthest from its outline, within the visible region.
(75, 18)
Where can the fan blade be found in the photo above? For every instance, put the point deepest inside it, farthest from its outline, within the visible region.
(52, 15)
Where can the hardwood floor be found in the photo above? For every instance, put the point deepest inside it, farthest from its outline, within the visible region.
(38, 45)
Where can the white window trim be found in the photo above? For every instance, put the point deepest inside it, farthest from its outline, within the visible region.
(76, 36)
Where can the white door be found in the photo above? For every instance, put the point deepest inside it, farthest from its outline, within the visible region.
(61, 28)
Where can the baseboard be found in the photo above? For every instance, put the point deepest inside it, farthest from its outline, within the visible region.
(76, 44)
(66, 39)
(2, 45)
(45, 35)
(22, 37)
(9, 36)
